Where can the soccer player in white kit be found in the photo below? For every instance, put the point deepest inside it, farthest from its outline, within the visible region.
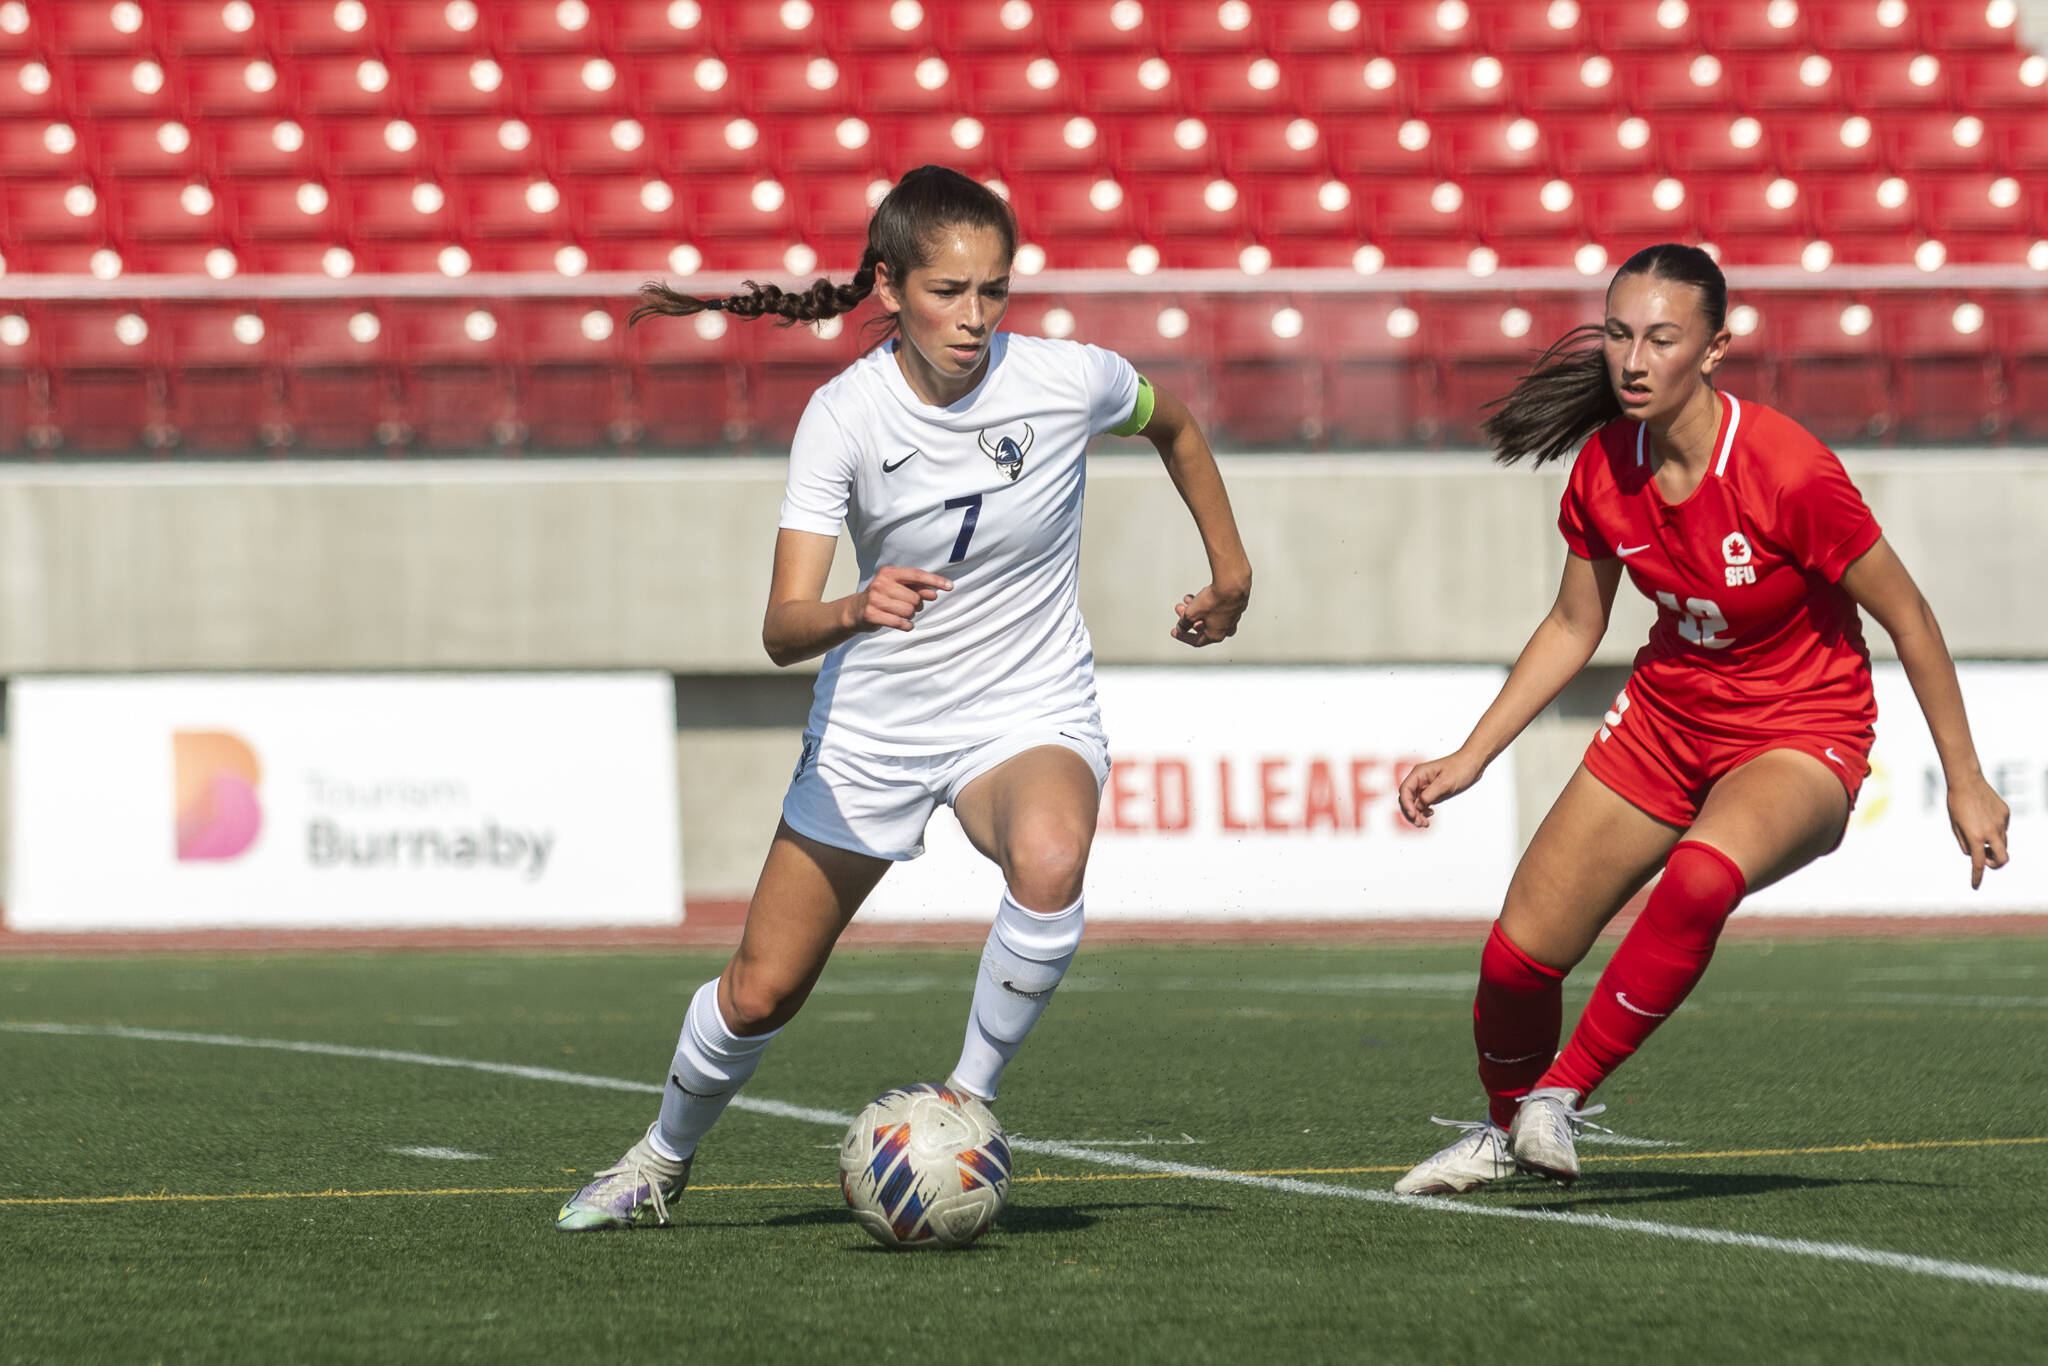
(959, 672)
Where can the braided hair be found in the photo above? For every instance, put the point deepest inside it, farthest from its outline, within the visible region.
(1567, 395)
(900, 236)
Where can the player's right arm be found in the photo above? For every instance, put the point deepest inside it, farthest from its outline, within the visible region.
(800, 624)
(1560, 647)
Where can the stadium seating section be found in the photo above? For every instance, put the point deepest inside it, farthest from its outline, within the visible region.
(329, 145)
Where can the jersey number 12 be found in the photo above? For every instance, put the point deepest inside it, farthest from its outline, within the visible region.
(1700, 621)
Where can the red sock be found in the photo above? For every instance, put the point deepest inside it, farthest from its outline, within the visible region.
(1516, 1016)
(1660, 960)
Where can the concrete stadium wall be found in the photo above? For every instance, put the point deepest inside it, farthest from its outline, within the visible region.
(664, 563)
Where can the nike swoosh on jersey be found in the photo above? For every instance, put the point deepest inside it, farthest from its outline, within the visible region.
(1622, 997)
(1830, 752)
(888, 468)
(1627, 550)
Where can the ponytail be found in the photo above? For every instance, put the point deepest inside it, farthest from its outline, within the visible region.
(1568, 396)
(821, 301)
(901, 235)
(1558, 404)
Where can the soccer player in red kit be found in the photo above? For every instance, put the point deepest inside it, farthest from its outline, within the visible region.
(1733, 756)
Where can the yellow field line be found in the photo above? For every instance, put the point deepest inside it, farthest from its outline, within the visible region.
(1035, 1178)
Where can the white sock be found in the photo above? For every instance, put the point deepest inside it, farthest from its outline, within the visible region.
(1026, 955)
(711, 1064)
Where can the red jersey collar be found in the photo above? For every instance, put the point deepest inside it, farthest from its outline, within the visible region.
(1729, 424)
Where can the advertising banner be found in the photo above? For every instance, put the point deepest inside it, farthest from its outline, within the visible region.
(1899, 855)
(1263, 793)
(327, 801)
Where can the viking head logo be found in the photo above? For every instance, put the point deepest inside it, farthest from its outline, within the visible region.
(1007, 453)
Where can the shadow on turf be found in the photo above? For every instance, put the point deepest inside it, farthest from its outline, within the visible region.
(1636, 1188)
(1016, 1219)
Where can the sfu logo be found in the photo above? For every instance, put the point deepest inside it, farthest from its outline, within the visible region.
(1735, 550)
(214, 777)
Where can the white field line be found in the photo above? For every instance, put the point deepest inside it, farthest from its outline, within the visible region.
(442, 1154)
(1940, 1268)
(1624, 1141)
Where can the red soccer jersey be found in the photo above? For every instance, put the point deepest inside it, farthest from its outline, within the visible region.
(1754, 634)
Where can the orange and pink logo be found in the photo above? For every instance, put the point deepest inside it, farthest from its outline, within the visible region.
(215, 776)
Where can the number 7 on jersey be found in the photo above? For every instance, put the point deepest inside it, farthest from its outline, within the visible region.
(972, 502)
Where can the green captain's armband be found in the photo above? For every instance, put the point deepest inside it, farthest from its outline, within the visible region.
(1141, 411)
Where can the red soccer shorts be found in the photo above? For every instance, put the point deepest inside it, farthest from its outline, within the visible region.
(1666, 769)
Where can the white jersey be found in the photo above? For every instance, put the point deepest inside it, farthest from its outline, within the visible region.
(986, 492)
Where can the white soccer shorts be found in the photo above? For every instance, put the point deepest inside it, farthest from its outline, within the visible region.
(877, 804)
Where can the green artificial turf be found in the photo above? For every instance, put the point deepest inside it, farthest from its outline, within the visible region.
(1323, 1062)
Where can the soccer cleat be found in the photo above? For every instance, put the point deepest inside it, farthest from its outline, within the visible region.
(643, 1181)
(1540, 1140)
(1477, 1158)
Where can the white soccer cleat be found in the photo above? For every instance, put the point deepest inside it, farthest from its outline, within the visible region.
(1479, 1157)
(1541, 1138)
(635, 1191)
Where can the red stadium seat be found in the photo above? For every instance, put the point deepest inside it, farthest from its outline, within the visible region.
(1271, 144)
(375, 145)
(314, 28)
(1893, 80)
(540, 26)
(1959, 25)
(698, 83)
(2022, 331)
(338, 393)
(462, 84)
(1126, 83)
(222, 86)
(260, 146)
(194, 27)
(33, 148)
(2022, 144)
(1233, 84)
(1715, 143)
(1845, 204)
(599, 145)
(903, 144)
(1332, 85)
(805, 143)
(1523, 29)
(1380, 145)
(1937, 144)
(1786, 80)
(714, 144)
(482, 143)
(456, 393)
(1448, 83)
(511, 206)
(880, 28)
(1743, 202)
(1972, 202)
(80, 28)
(737, 206)
(1378, 393)
(54, 211)
(163, 210)
(129, 86)
(1411, 29)
(1423, 208)
(106, 390)
(662, 29)
(432, 28)
(989, 26)
(788, 366)
(1297, 206)
(276, 209)
(770, 28)
(1488, 144)
(571, 378)
(136, 146)
(1014, 83)
(686, 390)
(1173, 206)
(1948, 376)
(1050, 206)
(1740, 25)
(1151, 145)
(1571, 82)
(221, 394)
(402, 207)
(574, 83)
(1621, 26)
(1834, 382)
(2001, 80)
(1200, 25)
(1038, 145)
(1862, 24)
(885, 85)
(1316, 28)
(1527, 206)
(1824, 142)
(1099, 26)
(1585, 143)
(835, 206)
(1641, 208)
(624, 206)
(1268, 373)
(345, 85)
(1654, 82)
(1481, 347)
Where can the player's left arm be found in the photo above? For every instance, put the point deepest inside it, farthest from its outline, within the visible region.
(1211, 615)
(1879, 583)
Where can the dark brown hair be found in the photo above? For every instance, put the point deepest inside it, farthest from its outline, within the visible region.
(900, 236)
(1567, 396)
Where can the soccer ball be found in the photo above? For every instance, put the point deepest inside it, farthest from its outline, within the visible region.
(925, 1166)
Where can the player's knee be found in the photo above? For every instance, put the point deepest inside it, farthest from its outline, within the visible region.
(758, 999)
(1046, 863)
